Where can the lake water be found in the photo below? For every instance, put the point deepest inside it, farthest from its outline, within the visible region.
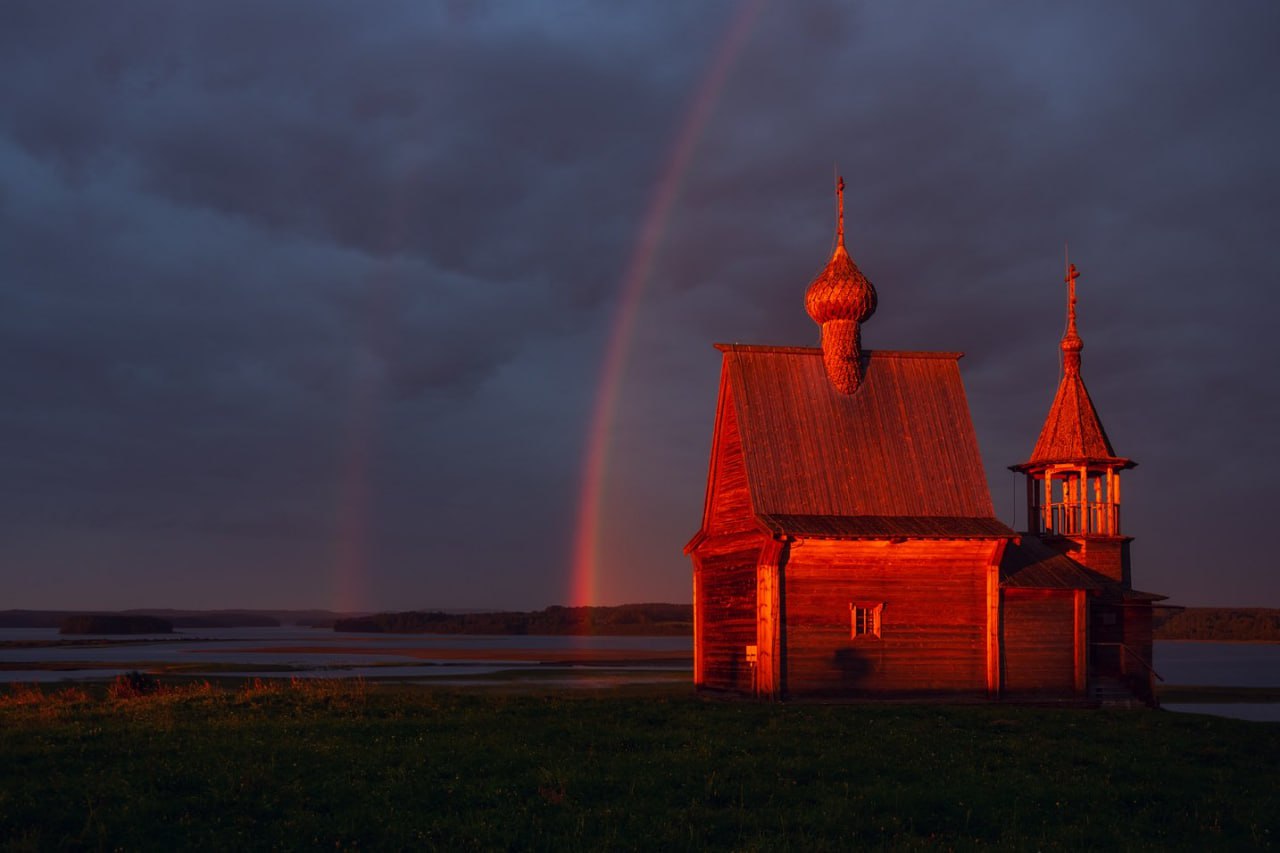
(1218, 664)
(299, 652)
(461, 659)
(1221, 665)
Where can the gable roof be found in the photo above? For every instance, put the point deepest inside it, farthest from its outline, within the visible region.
(897, 458)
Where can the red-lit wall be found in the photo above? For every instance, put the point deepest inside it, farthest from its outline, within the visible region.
(932, 626)
(1038, 641)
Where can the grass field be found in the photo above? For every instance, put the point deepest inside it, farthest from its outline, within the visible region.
(345, 765)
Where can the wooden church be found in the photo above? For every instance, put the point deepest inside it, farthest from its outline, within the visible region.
(849, 547)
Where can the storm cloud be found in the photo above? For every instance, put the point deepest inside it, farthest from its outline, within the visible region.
(305, 304)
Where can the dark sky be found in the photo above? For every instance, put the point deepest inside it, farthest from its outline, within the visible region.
(307, 304)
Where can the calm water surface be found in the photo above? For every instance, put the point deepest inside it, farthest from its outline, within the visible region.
(327, 654)
(1221, 665)
(315, 652)
(1218, 664)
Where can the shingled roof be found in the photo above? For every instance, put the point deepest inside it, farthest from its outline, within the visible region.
(897, 458)
(1029, 563)
(1072, 432)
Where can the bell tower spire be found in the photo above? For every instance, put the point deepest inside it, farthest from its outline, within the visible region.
(1073, 475)
(839, 300)
(1071, 342)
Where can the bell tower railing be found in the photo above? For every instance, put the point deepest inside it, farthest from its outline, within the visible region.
(1074, 501)
(1070, 519)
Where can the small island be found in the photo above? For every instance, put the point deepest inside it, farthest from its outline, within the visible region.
(114, 623)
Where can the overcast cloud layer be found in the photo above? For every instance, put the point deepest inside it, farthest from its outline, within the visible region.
(305, 304)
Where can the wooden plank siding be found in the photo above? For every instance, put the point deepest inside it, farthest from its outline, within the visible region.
(992, 631)
(1138, 638)
(1106, 555)
(699, 620)
(1038, 637)
(726, 555)
(1106, 636)
(728, 498)
(770, 618)
(727, 603)
(1080, 653)
(933, 624)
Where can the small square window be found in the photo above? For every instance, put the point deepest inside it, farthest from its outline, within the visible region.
(865, 619)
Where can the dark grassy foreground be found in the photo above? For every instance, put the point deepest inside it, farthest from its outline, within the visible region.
(343, 765)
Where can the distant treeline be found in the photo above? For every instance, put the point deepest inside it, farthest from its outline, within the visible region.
(626, 619)
(114, 623)
(1239, 624)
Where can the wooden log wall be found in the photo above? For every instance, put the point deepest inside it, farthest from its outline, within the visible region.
(933, 625)
(726, 565)
(1038, 639)
(1138, 638)
(1080, 652)
(1108, 556)
(769, 659)
(1106, 634)
(726, 606)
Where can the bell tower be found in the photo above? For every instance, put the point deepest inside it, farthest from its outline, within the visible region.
(1073, 475)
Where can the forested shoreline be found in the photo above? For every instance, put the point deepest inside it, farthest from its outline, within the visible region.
(1219, 624)
(622, 620)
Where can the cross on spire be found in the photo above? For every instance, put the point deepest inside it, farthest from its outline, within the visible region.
(1071, 342)
(1072, 275)
(840, 216)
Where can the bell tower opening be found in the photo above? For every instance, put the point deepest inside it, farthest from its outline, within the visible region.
(1071, 500)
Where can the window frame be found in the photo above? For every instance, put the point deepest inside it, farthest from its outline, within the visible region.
(866, 620)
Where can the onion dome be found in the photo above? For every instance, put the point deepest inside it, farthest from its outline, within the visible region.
(839, 300)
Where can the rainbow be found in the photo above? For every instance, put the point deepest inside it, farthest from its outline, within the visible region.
(586, 546)
(349, 581)
(349, 589)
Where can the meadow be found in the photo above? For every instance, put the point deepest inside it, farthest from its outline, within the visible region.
(349, 765)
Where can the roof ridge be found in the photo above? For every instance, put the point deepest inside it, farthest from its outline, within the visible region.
(874, 353)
